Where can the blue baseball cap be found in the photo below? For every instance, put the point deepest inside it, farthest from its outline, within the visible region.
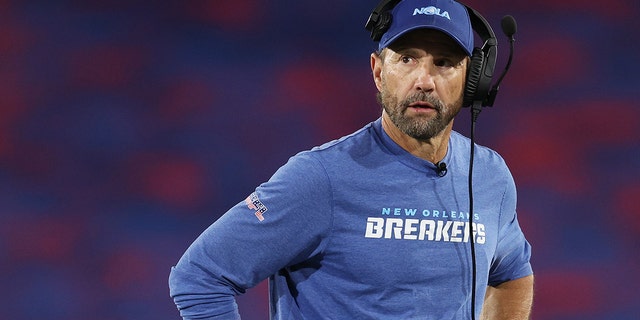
(447, 16)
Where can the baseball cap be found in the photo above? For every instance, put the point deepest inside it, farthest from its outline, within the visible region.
(447, 16)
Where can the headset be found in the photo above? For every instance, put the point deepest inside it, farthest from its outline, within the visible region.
(478, 91)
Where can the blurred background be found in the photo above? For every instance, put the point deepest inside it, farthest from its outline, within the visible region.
(126, 128)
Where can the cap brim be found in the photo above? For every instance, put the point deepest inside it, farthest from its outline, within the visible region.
(388, 42)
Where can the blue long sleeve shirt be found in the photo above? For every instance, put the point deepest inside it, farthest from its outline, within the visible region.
(359, 228)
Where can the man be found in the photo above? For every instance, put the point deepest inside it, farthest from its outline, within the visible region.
(371, 226)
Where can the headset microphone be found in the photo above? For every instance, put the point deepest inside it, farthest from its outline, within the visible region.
(509, 27)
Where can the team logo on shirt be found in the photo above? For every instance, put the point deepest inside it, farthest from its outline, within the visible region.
(445, 226)
(254, 203)
(423, 229)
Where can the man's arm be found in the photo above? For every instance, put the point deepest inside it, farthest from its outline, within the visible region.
(271, 229)
(509, 300)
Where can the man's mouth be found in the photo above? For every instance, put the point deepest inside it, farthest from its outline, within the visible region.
(422, 105)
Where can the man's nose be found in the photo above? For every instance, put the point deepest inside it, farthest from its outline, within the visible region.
(424, 80)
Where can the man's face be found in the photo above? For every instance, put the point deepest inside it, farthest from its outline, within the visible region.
(420, 79)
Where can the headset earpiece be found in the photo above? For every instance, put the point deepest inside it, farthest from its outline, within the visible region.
(474, 75)
(482, 63)
(383, 25)
(380, 19)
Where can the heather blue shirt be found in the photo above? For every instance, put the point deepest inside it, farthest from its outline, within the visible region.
(358, 228)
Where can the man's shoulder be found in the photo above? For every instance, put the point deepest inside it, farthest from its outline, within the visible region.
(350, 144)
(484, 156)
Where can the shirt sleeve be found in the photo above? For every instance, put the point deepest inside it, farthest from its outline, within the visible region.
(284, 222)
(512, 258)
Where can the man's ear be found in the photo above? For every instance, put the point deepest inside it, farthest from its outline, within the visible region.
(376, 69)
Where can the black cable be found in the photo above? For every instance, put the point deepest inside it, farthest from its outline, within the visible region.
(475, 111)
(509, 28)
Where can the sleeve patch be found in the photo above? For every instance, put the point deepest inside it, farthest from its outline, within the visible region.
(255, 204)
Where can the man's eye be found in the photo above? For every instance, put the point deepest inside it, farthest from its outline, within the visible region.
(405, 59)
(444, 63)
(448, 62)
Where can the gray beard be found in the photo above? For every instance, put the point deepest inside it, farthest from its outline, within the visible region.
(418, 128)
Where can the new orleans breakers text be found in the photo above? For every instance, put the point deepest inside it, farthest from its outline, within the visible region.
(423, 229)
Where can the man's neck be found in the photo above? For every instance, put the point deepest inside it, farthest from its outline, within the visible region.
(433, 150)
